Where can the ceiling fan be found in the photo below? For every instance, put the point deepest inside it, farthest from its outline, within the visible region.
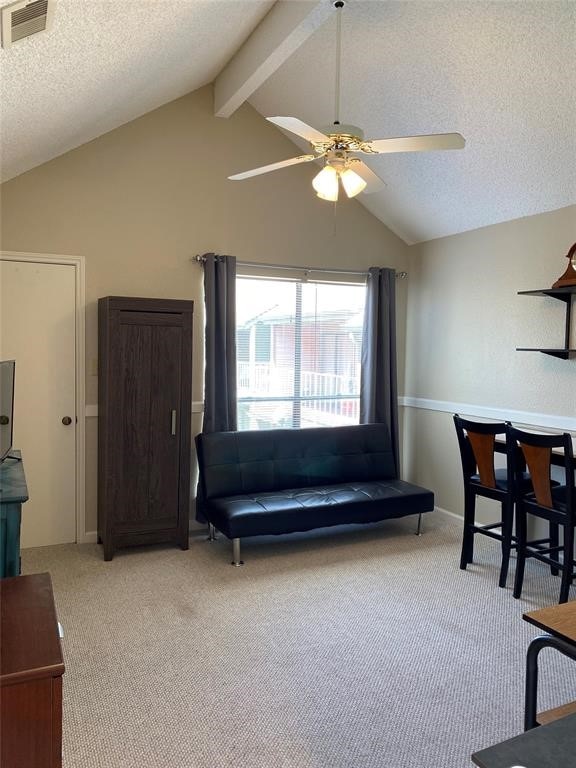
(340, 144)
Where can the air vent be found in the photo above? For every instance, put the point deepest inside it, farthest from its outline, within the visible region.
(25, 18)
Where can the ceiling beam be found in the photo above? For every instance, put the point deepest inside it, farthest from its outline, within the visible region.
(281, 32)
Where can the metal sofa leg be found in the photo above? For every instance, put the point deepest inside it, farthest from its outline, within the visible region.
(236, 553)
(211, 532)
(419, 526)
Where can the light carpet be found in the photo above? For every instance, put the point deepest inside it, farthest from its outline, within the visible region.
(346, 648)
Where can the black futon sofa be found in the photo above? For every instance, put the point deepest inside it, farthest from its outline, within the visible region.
(276, 481)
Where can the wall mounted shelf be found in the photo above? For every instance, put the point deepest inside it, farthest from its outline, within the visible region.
(563, 354)
(565, 294)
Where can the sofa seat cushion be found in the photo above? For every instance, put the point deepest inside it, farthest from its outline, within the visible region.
(302, 509)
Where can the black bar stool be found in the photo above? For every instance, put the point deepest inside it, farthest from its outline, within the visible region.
(476, 441)
(547, 500)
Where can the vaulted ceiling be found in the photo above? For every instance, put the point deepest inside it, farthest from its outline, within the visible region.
(503, 74)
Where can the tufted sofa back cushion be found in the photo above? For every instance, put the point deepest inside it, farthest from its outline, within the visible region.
(233, 463)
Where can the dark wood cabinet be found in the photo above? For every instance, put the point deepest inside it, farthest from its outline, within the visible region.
(31, 668)
(144, 413)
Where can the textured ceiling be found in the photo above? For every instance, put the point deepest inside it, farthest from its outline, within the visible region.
(501, 73)
(106, 62)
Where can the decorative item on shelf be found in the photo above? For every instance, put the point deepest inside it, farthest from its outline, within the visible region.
(569, 277)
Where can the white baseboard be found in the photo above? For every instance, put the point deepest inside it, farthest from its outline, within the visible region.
(453, 515)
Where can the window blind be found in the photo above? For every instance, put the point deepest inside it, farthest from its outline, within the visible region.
(298, 352)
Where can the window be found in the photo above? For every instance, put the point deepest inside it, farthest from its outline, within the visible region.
(298, 352)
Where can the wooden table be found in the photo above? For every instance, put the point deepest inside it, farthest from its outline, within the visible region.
(559, 623)
(31, 669)
(557, 620)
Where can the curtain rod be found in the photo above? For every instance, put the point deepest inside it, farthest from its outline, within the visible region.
(399, 275)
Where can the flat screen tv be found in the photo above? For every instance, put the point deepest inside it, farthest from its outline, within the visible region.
(7, 371)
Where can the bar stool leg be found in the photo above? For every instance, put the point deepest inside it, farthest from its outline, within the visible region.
(554, 570)
(507, 518)
(567, 565)
(520, 549)
(467, 554)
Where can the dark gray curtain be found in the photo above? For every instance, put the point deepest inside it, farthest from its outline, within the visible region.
(378, 385)
(219, 351)
(220, 343)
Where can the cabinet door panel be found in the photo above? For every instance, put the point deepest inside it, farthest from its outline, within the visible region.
(131, 419)
(164, 467)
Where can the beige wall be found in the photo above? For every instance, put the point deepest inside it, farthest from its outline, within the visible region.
(140, 201)
(465, 321)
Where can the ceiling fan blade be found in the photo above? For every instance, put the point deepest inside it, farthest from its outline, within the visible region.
(299, 128)
(418, 143)
(273, 167)
(373, 182)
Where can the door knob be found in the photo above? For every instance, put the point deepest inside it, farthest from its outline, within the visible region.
(66, 421)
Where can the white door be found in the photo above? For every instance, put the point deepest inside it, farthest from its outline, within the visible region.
(37, 329)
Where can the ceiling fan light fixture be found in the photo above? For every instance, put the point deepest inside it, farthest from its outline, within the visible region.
(326, 183)
(353, 183)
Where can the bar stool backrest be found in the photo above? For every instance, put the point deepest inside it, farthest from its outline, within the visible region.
(537, 451)
(483, 449)
(476, 441)
(539, 466)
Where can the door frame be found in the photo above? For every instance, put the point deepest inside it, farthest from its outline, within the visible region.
(79, 264)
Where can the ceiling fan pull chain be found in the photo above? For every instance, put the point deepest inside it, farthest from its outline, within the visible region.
(339, 5)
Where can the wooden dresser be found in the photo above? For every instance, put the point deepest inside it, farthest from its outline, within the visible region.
(31, 669)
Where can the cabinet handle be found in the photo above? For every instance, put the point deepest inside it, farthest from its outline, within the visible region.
(173, 429)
